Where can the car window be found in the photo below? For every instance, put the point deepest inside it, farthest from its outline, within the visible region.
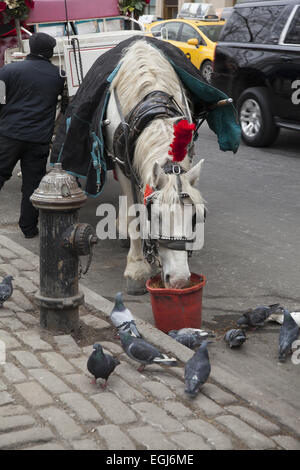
(188, 32)
(170, 30)
(212, 31)
(251, 24)
(226, 12)
(277, 27)
(157, 28)
(293, 34)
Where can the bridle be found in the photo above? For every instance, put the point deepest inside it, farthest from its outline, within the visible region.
(151, 244)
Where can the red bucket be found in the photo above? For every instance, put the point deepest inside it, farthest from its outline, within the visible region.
(174, 309)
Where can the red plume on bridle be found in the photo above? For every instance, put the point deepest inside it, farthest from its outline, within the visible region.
(147, 193)
(183, 133)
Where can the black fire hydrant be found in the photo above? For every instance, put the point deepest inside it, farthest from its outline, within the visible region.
(62, 241)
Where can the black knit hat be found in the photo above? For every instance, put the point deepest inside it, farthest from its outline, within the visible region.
(42, 44)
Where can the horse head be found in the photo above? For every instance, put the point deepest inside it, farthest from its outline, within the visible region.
(176, 207)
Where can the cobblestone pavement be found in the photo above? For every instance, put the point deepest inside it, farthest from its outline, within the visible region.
(48, 402)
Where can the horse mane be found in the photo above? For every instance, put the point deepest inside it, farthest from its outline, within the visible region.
(144, 69)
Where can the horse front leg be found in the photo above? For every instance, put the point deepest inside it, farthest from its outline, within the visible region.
(137, 269)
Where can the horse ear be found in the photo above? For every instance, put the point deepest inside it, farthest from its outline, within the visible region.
(194, 173)
(158, 175)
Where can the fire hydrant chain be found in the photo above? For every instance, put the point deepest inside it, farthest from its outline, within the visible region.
(81, 271)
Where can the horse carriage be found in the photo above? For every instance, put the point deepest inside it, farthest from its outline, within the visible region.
(138, 111)
(83, 32)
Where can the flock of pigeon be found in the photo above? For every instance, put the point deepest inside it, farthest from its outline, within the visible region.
(197, 368)
(289, 331)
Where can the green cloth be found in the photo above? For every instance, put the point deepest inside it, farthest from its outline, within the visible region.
(223, 120)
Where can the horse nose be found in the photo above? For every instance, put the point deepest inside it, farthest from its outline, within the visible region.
(175, 281)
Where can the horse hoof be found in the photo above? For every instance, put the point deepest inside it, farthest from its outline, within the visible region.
(124, 242)
(134, 287)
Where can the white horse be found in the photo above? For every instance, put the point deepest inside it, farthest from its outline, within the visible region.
(143, 70)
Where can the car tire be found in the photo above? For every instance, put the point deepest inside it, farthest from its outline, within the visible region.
(257, 122)
(206, 70)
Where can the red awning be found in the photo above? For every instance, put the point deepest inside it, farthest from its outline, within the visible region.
(51, 11)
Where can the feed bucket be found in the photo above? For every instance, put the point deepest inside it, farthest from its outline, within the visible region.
(177, 308)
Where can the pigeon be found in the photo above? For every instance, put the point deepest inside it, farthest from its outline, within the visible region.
(101, 365)
(278, 317)
(199, 332)
(139, 350)
(6, 289)
(131, 328)
(257, 316)
(289, 332)
(189, 337)
(235, 338)
(197, 370)
(122, 318)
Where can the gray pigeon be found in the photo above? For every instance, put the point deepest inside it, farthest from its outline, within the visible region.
(139, 350)
(189, 338)
(131, 328)
(289, 332)
(235, 338)
(100, 364)
(122, 318)
(6, 289)
(257, 316)
(198, 331)
(197, 370)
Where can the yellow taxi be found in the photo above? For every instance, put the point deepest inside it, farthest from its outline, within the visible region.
(196, 38)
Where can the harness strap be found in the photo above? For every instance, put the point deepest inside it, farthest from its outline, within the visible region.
(187, 109)
(155, 105)
(97, 159)
(173, 168)
(133, 178)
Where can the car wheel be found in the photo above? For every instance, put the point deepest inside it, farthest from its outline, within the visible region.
(257, 123)
(206, 70)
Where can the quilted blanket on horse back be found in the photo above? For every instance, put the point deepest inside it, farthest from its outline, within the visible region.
(78, 144)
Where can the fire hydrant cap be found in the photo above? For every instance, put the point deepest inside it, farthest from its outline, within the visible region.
(58, 190)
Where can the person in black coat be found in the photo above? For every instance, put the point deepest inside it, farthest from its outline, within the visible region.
(27, 121)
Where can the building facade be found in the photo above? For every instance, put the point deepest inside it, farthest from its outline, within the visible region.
(169, 8)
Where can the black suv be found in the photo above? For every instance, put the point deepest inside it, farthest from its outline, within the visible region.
(257, 63)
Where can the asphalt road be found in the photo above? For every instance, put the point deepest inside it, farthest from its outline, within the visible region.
(251, 254)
